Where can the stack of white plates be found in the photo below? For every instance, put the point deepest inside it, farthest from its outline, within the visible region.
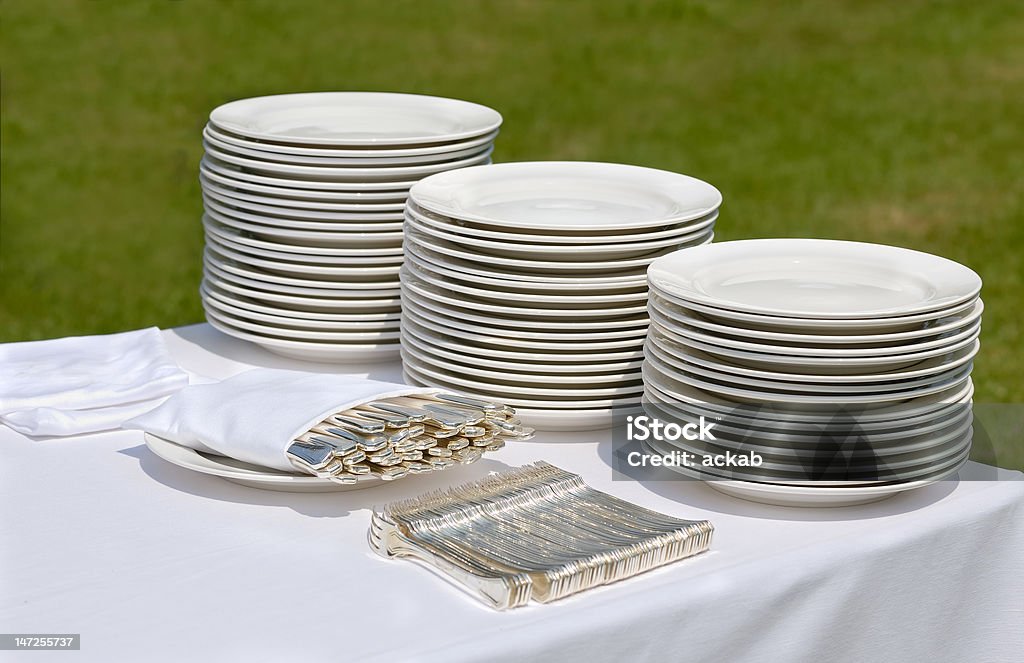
(845, 366)
(304, 196)
(526, 281)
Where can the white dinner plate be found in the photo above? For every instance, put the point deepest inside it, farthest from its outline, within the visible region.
(482, 325)
(477, 289)
(780, 465)
(465, 262)
(315, 351)
(457, 227)
(572, 196)
(379, 152)
(927, 367)
(211, 187)
(671, 364)
(410, 339)
(810, 496)
(815, 278)
(393, 175)
(954, 457)
(780, 450)
(275, 210)
(519, 377)
(423, 288)
(541, 399)
(257, 151)
(522, 384)
(290, 194)
(312, 240)
(907, 433)
(462, 310)
(483, 340)
(823, 365)
(295, 334)
(817, 326)
(366, 223)
(531, 265)
(356, 119)
(457, 344)
(563, 252)
(284, 322)
(670, 381)
(283, 240)
(393, 189)
(339, 256)
(578, 420)
(884, 414)
(911, 469)
(247, 474)
(238, 272)
(684, 333)
(415, 254)
(355, 271)
(301, 303)
(297, 317)
(940, 326)
(374, 261)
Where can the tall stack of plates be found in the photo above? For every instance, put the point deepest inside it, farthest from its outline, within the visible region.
(844, 366)
(304, 195)
(526, 281)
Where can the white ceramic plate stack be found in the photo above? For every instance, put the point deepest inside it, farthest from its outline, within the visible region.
(796, 342)
(526, 281)
(304, 196)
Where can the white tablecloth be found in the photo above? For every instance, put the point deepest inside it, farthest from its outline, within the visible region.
(151, 562)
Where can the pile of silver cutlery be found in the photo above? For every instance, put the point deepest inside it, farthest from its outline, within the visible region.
(535, 532)
(394, 437)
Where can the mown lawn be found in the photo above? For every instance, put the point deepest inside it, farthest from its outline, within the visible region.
(877, 121)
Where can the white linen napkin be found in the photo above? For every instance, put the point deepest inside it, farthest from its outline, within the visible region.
(254, 416)
(83, 384)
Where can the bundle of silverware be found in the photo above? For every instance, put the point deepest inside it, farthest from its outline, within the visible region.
(535, 532)
(394, 437)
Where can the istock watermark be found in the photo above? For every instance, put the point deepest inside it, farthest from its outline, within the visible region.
(641, 428)
(920, 440)
(644, 428)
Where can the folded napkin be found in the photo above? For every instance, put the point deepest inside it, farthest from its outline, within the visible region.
(254, 416)
(83, 384)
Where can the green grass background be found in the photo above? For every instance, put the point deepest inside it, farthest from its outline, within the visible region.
(894, 122)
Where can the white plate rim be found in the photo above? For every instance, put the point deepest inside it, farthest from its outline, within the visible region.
(410, 339)
(445, 223)
(214, 291)
(478, 324)
(382, 151)
(486, 119)
(394, 175)
(684, 354)
(432, 338)
(521, 247)
(811, 323)
(627, 280)
(299, 213)
(342, 157)
(191, 459)
(412, 281)
(688, 318)
(965, 283)
(299, 300)
(435, 193)
(396, 196)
